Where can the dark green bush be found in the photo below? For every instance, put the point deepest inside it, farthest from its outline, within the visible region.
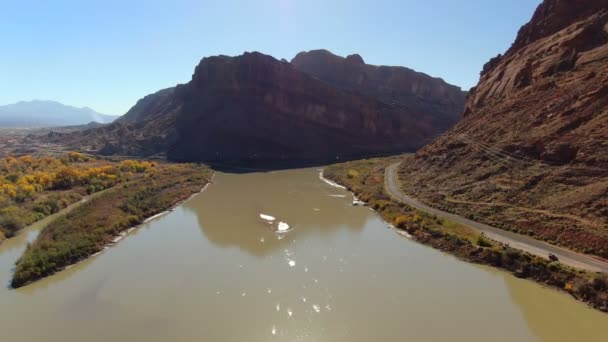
(482, 241)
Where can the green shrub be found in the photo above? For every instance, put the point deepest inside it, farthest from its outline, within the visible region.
(482, 241)
(13, 178)
(14, 218)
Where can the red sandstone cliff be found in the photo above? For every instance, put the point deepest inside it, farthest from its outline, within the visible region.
(398, 86)
(531, 153)
(254, 108)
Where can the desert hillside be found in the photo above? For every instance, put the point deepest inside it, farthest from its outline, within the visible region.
(531, 153)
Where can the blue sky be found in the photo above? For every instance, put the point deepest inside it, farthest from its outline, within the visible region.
(108, 54)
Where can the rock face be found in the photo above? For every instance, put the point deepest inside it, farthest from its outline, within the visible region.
(397, 86)
(531, 153)
(256, 109)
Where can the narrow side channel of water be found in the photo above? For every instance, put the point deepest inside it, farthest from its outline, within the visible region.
(215, 270)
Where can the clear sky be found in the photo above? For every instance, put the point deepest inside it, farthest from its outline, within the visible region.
(107, 54)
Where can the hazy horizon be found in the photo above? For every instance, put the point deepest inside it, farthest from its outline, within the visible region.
(107, 55)
(54, 102)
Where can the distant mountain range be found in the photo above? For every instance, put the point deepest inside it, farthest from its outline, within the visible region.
(29, 114)
(254, 108)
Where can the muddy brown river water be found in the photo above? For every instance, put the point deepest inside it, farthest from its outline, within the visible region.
(215, 270)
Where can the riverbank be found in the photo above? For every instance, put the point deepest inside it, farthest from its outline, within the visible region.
(30, 232)
(365, 179)
(35, 187)
(127, 232)
(521, 242)
(108, 218)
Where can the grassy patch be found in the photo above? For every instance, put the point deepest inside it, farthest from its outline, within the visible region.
(90, 227)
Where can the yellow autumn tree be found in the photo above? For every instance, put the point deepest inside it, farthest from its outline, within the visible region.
(135, 166)
(9, 189)
(67, 178)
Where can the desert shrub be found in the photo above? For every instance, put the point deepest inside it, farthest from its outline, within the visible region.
(512, 253)
(77, 157)
(600, 283)
(12, 178)
(14, 218)
(133, 220)
(482, 241)
(5, 201)
(91, 189)
(352, 174)
(585, 289)
(401, 221)
(136, 166)
(67, 178)
(43, 209)
(53, 204)
(380, 205)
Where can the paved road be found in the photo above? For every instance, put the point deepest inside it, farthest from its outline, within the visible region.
(521, 242)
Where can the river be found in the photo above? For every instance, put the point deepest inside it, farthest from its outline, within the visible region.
(214, 270)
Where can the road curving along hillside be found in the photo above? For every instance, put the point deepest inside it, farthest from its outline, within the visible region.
(521, 242)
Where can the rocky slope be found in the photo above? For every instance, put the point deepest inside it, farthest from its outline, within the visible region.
(256, 109)
(531, 153)
(398, 86)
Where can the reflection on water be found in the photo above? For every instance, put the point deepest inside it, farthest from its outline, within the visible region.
(294, 197)
(214, 270)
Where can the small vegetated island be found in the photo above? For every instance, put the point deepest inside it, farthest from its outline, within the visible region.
(365, 178)
(126, 192)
